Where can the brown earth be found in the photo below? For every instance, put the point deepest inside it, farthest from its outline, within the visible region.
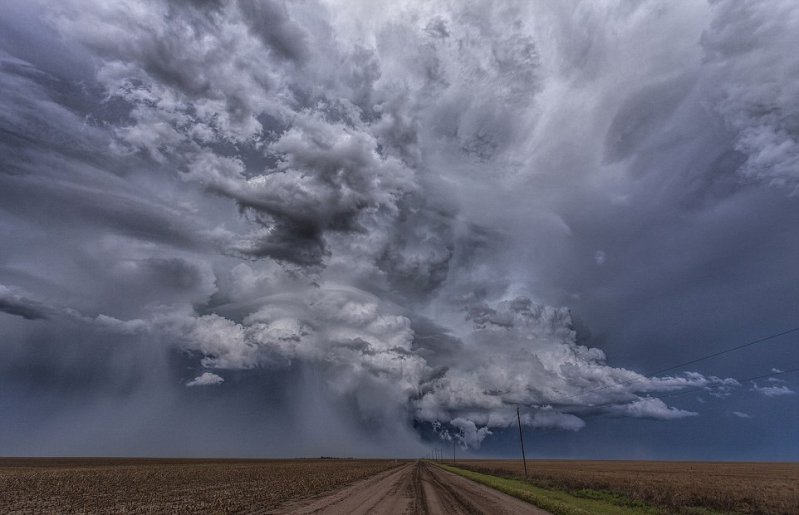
(416, 488)
(228, 486)
(170, 486)
(763, 488)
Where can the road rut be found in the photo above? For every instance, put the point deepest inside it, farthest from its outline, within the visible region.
(416, 489)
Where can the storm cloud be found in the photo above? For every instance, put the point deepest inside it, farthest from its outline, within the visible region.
(410, 220)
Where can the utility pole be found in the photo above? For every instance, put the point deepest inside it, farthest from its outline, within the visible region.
(453, 451)
(521, 440)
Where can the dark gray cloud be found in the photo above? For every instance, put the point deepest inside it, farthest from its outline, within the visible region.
(271, 22)
(15, 304)
(412, 219)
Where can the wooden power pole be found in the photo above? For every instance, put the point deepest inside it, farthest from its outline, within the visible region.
(521, 440)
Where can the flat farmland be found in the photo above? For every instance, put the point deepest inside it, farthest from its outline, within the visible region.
(678, 487)
(170, 486)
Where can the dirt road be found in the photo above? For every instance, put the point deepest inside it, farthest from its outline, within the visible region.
(415, 488)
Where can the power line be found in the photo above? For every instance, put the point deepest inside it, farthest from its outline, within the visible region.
(702, 388)
(746, 380)
(696, 360)
(680, 365)
(726, 351)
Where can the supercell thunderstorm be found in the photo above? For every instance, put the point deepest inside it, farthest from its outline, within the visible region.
(375, 193)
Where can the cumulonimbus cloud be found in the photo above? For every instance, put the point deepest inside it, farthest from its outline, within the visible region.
(279, 183)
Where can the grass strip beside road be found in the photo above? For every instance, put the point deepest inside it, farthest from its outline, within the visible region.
(559, 502)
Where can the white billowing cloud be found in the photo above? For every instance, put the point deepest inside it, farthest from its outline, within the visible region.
(745, 48)
(362, 350)
(173, 63)
(470, 435)
(650, 407)
(369, 353)
(206, 379)
(773, 391)
(330, 178)
(378, 189)
(523, 354)
(741, 414)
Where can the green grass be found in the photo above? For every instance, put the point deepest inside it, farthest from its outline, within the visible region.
(582, 502)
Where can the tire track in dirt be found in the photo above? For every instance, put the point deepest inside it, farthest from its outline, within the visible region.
(415, 489)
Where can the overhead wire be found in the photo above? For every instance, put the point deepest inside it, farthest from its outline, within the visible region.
(725, 351)
(691, 362)
(740, 381)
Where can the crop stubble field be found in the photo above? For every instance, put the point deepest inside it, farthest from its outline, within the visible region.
(230, 486)
(764, 488)
(169, 486)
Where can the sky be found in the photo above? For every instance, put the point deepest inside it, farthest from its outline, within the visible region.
(366, 228)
